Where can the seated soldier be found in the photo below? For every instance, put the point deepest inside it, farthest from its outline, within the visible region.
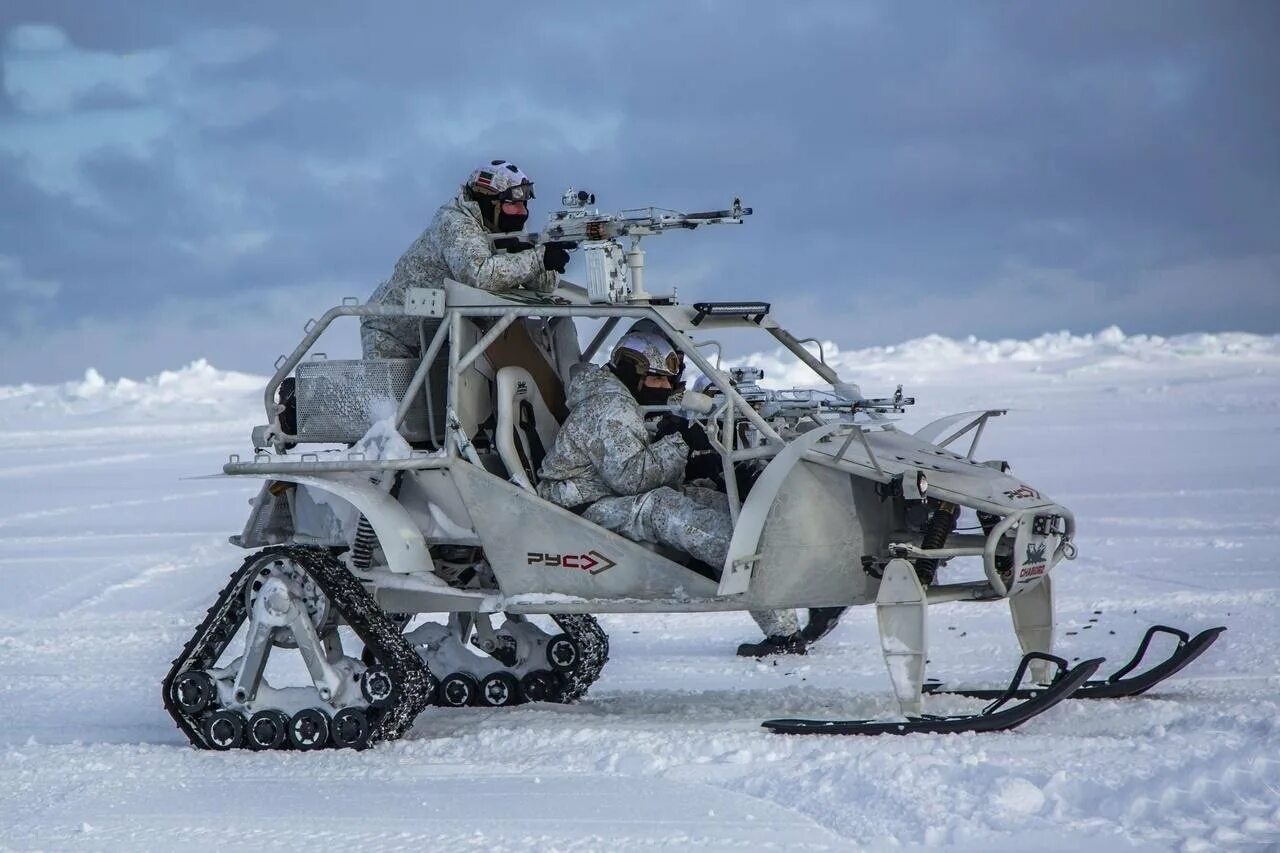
(605, 467)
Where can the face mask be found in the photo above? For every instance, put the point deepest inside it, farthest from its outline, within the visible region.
(647, 396)
(508, 223)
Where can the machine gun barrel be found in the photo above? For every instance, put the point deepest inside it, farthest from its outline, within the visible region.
(574, 225)
(735, 214)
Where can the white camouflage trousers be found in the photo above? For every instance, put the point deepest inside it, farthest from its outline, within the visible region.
(690, 519)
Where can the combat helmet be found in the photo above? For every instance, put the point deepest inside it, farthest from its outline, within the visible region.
(496, 182)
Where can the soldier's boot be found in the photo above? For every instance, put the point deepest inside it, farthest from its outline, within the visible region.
(789, 645)
(821, 621)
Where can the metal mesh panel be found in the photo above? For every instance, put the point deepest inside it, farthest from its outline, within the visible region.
(339, 400)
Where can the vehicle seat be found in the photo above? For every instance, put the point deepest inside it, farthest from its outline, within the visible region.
(526, 428)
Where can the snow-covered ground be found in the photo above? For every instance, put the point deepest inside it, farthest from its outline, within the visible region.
(1168, 450)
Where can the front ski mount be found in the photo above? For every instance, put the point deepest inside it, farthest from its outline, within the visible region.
(996, 717)
(1119, 684)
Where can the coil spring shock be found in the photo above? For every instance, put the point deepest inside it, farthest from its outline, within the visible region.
(362, 547)
(940, 526)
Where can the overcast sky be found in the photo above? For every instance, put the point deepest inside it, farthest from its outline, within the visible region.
(185, 180)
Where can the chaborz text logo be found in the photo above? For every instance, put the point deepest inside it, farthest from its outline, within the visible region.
(592, 562)
(1022, 492)
(1034, 565)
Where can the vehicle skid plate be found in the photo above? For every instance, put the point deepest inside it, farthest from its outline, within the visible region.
(994, 718)
(1117, 685)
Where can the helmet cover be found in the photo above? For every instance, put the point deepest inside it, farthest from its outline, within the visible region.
(647, 352)
(498, 179)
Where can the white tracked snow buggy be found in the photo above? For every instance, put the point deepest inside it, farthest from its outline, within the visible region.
(428, 506)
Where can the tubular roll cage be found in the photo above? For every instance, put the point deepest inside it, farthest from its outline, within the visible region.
(732, 406)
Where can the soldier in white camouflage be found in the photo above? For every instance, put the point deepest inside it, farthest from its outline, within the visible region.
(606, 467)
(456, 245)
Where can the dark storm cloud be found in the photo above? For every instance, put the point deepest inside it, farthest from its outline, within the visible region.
(989, 169)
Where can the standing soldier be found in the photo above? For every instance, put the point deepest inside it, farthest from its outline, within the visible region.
(457, 245)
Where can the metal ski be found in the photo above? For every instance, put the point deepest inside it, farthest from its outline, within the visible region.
(1119, 684)
(994, 718)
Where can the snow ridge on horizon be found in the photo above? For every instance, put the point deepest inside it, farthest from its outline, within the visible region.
(204, 385)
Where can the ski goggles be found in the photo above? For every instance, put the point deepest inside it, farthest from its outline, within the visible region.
(674, 364)
(520, 192)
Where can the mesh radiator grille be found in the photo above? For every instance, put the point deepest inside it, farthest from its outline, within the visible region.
(339, 400)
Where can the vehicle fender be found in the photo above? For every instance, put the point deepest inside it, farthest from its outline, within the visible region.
(755, 510)
(399, 536)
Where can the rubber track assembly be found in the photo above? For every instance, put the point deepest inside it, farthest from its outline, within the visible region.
(415, 687)
(413, 683)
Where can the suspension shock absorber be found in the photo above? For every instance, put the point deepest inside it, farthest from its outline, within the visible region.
(362, 547)
(365, 539)
(940, 526)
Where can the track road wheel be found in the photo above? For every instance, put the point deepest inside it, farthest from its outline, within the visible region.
(268, 730)
(193, 691)
(499, 689)
(458, 689)
(562, 652)
(377, 687)
(224, 729)
(309, 729)
(540, 686)
(350, 729)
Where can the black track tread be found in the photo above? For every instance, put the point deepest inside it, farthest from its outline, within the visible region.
(379, 632)
(352, 602)
(987, 721)
(206, 645)
(593, 648)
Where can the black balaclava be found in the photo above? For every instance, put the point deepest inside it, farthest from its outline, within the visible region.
(633, 380)
(646, 396)
(497, 221)
(510, 223)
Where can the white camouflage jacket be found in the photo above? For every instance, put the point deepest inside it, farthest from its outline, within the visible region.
(603, 448)
(455, 245)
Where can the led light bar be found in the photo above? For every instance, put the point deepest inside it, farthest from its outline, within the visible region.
(756, 311)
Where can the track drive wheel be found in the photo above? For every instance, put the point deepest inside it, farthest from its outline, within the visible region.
(350, 729)
(499, 689)
(540, 686)
(377, 687)
(193, 691)
(458, 689)
(562, 653)
(309, 729)
(267, 730)
(224, 729)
